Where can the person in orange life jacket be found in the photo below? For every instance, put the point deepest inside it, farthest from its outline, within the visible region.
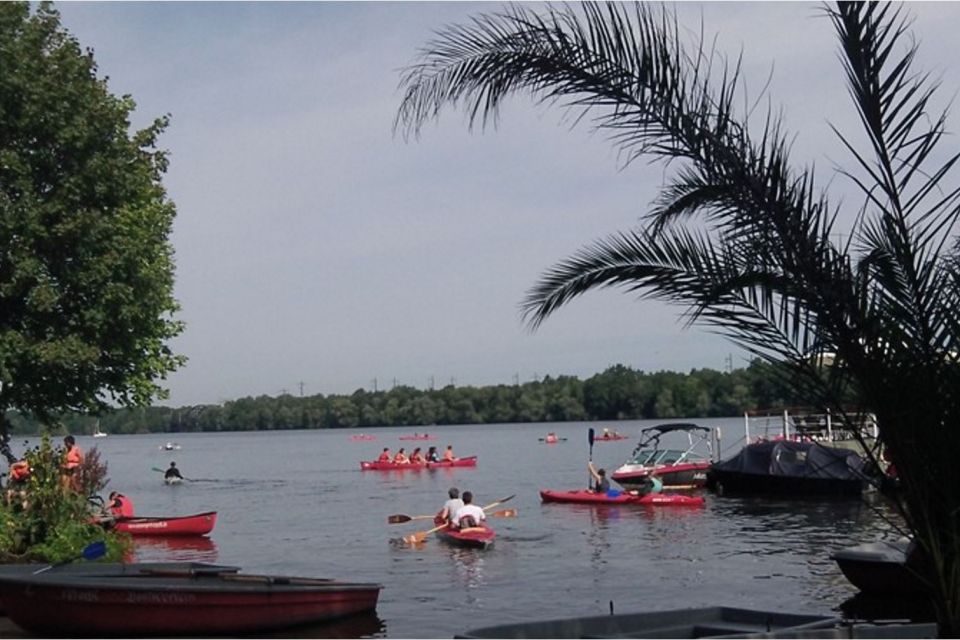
(448, 454)
(469, 515)
(71, 464)
(401, 457)
(16, 488)
(416, 457)
(384, 455)
(120, 505)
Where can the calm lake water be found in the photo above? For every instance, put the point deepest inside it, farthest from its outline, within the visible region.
(296, 503)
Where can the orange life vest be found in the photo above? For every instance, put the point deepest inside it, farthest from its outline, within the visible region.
(384, 457)
(74, 457)
(122, 507)
(19, 470)
(448, 455)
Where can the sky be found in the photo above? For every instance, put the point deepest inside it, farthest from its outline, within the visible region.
(319, 253)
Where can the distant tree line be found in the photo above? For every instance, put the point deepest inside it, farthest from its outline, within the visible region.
(619, 393)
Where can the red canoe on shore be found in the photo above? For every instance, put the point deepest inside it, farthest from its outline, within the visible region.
(196, 525)
(593, 497)
(376, 465)
(173, 603)
(481, 537)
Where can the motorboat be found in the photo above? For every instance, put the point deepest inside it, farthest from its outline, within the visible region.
(170, 446)
(882, 568)
(787, 467)
(96, 431)
(678, 468)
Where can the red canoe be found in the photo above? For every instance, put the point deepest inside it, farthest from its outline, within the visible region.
(592, 497)
(172, 603)
(196, 525)
(418, 437)
(475, 537)
(376, 465)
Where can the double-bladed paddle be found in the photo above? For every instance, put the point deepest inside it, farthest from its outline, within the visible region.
(590, 442)
(420, 536)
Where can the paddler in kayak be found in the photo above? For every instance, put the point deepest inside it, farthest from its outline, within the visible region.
(172, 474)
(601, 482)
(401, 457)
(416, 457)
(448, 454)
(384, 455)
(450, 507)
(119, 505)
(432, 455)
(469, 515)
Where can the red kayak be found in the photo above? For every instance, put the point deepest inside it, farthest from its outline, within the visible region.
(481, 537)
(169, 603)
(611, 437)
(592, 497)
(376, 465)
(196, 525)
(418, 437)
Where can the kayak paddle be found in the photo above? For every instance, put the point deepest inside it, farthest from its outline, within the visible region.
(400, 518)
(92, 551)
(590, 442)
(419, 536)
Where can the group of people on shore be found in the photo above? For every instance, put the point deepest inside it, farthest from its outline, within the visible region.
(460, 512)
(417, 457)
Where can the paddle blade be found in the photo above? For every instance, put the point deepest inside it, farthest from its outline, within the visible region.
(415, 538)
(398, 518)
(94, 550)
(505, 513)
(590, 435)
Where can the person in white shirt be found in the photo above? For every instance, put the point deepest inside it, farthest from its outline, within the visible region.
(450, 507)
(469, 515)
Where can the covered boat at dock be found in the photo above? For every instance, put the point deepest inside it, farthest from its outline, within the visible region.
(882, 568)
(389, 465)
(199, 524)
(579, 496)
(169, 602)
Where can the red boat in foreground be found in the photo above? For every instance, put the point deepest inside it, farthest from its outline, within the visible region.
(172, 603)
(481, 537)
(612, 497)
(376, 465)
(196, 525)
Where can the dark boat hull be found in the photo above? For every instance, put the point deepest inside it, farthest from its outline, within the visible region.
(687, 475)
(880, 568)
(165, 605)
(730, 482)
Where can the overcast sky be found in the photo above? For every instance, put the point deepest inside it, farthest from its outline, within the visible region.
(314, 247)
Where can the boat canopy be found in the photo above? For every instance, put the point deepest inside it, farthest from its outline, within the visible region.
(795, 459)
(675, 426)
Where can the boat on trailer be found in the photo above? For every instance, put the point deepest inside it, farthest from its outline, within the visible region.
(170, 602)
(677, 468)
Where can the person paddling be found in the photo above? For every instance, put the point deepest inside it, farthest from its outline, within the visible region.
(448, 454)
(432, 455)
(384, 455)
(601, 482)
(416, 457)
(172, 474)
(469, 515)
(401, 457)
(450, 507)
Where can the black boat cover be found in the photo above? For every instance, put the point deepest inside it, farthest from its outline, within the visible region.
(795, 459)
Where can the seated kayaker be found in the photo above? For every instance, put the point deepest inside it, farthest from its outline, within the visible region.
(416, 457)
(450, 507)
(384, 455)
(432, 455)
(401, 457)
(119, 505)
(469, 515)
(649, 484)
(448, 454)
(601, 483)
(172, 472)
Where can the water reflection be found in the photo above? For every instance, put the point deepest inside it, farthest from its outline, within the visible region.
(363, 625)
(174, 549)
(468, 566)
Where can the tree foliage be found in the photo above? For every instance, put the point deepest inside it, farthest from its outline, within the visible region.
(86, 266)
(741, 238)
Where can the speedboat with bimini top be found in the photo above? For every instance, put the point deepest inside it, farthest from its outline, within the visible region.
(678, 468)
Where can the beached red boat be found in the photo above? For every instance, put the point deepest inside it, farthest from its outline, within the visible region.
(481, 537)
(614, 497)
(376, 465)
(172, 603)
(196, 525)
(418, 436)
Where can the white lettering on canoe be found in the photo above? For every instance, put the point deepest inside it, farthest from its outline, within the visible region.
(135, 597)
(162, 524)
(78, 595)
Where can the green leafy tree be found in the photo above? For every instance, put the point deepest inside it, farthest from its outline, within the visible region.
(86, 267)
(744, 241)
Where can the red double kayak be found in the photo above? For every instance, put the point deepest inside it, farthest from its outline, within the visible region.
(593, 497)
(481, 537)
(196, 525)
(376, 465)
